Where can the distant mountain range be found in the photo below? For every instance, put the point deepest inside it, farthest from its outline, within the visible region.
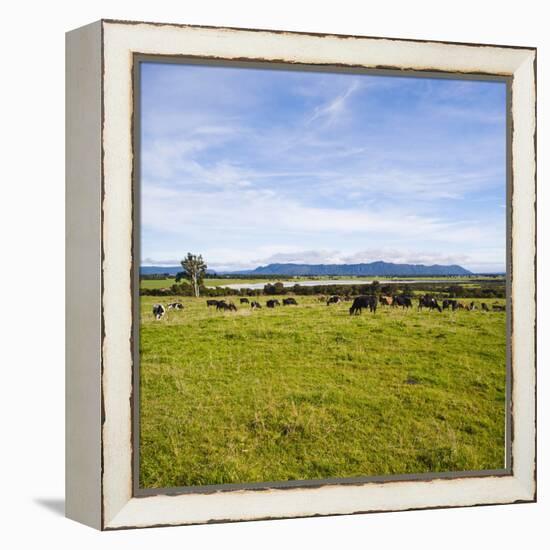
(370, 269)
(159, 270)
(373, 269)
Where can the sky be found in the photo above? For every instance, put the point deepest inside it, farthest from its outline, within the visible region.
(255, 166)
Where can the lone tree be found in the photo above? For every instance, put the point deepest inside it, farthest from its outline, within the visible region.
(194, 269)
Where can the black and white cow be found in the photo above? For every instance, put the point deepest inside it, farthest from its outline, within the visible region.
(428, 301)
(175, 305)
(158, 311)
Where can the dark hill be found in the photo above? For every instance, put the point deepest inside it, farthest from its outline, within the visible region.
(376, 269)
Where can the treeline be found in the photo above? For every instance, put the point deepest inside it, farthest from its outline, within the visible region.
(185, 289)
(156, 276)
(487, 290)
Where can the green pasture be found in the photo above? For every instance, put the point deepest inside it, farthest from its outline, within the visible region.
(310, 392)
(167, 283)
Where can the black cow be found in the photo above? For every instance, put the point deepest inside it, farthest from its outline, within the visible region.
(333, 300)
(224, 306)
(255, 305)
(497, 307)
(212, 303)
(428, 301)
(175, 305)
(363, 302)
(244, 301)
(289, 302)
(484, 307)
(403, 301)
(452, 304)
(273, 303)
(158, 311)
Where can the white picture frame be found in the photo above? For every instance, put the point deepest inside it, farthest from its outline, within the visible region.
(99, 365)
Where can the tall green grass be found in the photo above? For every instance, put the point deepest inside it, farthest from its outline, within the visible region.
(311, 392)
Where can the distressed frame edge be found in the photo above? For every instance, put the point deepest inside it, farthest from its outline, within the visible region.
(524, 178)
(314, 34)
(517, 493)
(83, 323)
(524, 490)
(139, 492)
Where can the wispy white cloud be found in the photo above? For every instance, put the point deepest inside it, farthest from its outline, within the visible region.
(235, 260)
(247, 166)
(330, 111)
(252, 211)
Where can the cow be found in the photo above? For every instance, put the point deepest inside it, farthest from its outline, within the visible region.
(428, 301)
(363, 302)
(244, 301)
(175, 305)
(333, 300)
(484, 307)
(497, 307)
(212, 303)
(273, 303)
(452, 304)
(289, 302)
(255, 305)
(386, 300)
(471, 307)
(403, 301)
(224, 306)
(158, 311)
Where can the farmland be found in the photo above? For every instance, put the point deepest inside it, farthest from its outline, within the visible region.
(310, 392)
(164, 283)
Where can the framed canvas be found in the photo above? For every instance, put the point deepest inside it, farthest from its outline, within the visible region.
(300, 274)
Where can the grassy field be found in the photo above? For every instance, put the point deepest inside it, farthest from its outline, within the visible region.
(167, 283)
(309, 392)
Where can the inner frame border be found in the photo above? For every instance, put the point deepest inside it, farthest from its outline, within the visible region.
(252, 63)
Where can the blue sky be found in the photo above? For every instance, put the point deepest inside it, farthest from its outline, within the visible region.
(250, 167)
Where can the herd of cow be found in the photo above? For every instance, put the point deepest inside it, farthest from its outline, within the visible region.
(230, 306)
(405, 302)
(359, 303)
